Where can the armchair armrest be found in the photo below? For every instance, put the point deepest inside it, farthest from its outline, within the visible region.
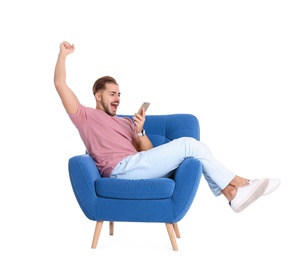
(187, 178)
(83, 173)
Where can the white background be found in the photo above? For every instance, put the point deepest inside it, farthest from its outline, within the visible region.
(239, 66)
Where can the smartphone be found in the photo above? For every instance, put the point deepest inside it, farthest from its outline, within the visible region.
(144, 105)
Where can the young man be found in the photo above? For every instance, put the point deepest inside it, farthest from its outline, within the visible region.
(121, 149)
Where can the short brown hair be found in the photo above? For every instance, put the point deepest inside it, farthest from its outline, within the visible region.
(101, 83)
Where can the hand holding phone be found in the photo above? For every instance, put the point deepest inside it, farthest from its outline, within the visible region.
(144, 105)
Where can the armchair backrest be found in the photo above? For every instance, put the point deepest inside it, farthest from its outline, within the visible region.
(163, 128)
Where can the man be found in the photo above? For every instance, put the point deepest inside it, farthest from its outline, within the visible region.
(121, 149)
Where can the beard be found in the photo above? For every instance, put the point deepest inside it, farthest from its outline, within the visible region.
(106, 109)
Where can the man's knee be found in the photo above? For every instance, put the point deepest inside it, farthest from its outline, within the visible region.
(188, 140)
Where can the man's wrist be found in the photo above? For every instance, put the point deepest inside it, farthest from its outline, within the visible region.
(142, 133)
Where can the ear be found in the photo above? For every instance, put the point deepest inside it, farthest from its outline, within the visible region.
(98, 96)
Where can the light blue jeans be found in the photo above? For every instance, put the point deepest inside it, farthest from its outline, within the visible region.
(162, 160)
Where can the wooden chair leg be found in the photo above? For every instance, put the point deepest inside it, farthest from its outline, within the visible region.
(111, 228)
(176, 230)
(171, 231)
(97, 232)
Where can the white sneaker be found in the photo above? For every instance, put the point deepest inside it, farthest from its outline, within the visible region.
(273, 184)
(248, 194)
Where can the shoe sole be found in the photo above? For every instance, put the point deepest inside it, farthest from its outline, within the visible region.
(253, 196)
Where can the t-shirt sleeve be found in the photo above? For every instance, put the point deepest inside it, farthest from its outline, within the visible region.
(133, 127)
(80, 117)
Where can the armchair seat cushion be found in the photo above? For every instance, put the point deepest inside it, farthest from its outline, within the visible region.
(143, 189)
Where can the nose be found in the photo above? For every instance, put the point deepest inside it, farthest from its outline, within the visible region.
(116, 100)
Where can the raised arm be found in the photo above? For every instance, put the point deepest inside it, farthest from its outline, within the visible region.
(69, 99)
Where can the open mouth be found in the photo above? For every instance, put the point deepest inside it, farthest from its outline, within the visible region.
(114, 105)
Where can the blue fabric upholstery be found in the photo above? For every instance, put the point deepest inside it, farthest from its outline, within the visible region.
(164, 200)
(136, 189)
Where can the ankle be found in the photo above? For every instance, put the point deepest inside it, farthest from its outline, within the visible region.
(239, 182)
(229, 192)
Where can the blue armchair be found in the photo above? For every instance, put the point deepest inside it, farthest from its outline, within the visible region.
(161, 200)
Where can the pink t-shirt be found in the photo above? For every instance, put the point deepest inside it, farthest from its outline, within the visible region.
(108, 139)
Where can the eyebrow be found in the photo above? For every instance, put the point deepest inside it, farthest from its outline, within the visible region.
(114, 92)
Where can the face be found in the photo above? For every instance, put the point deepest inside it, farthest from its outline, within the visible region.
(108, 100)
